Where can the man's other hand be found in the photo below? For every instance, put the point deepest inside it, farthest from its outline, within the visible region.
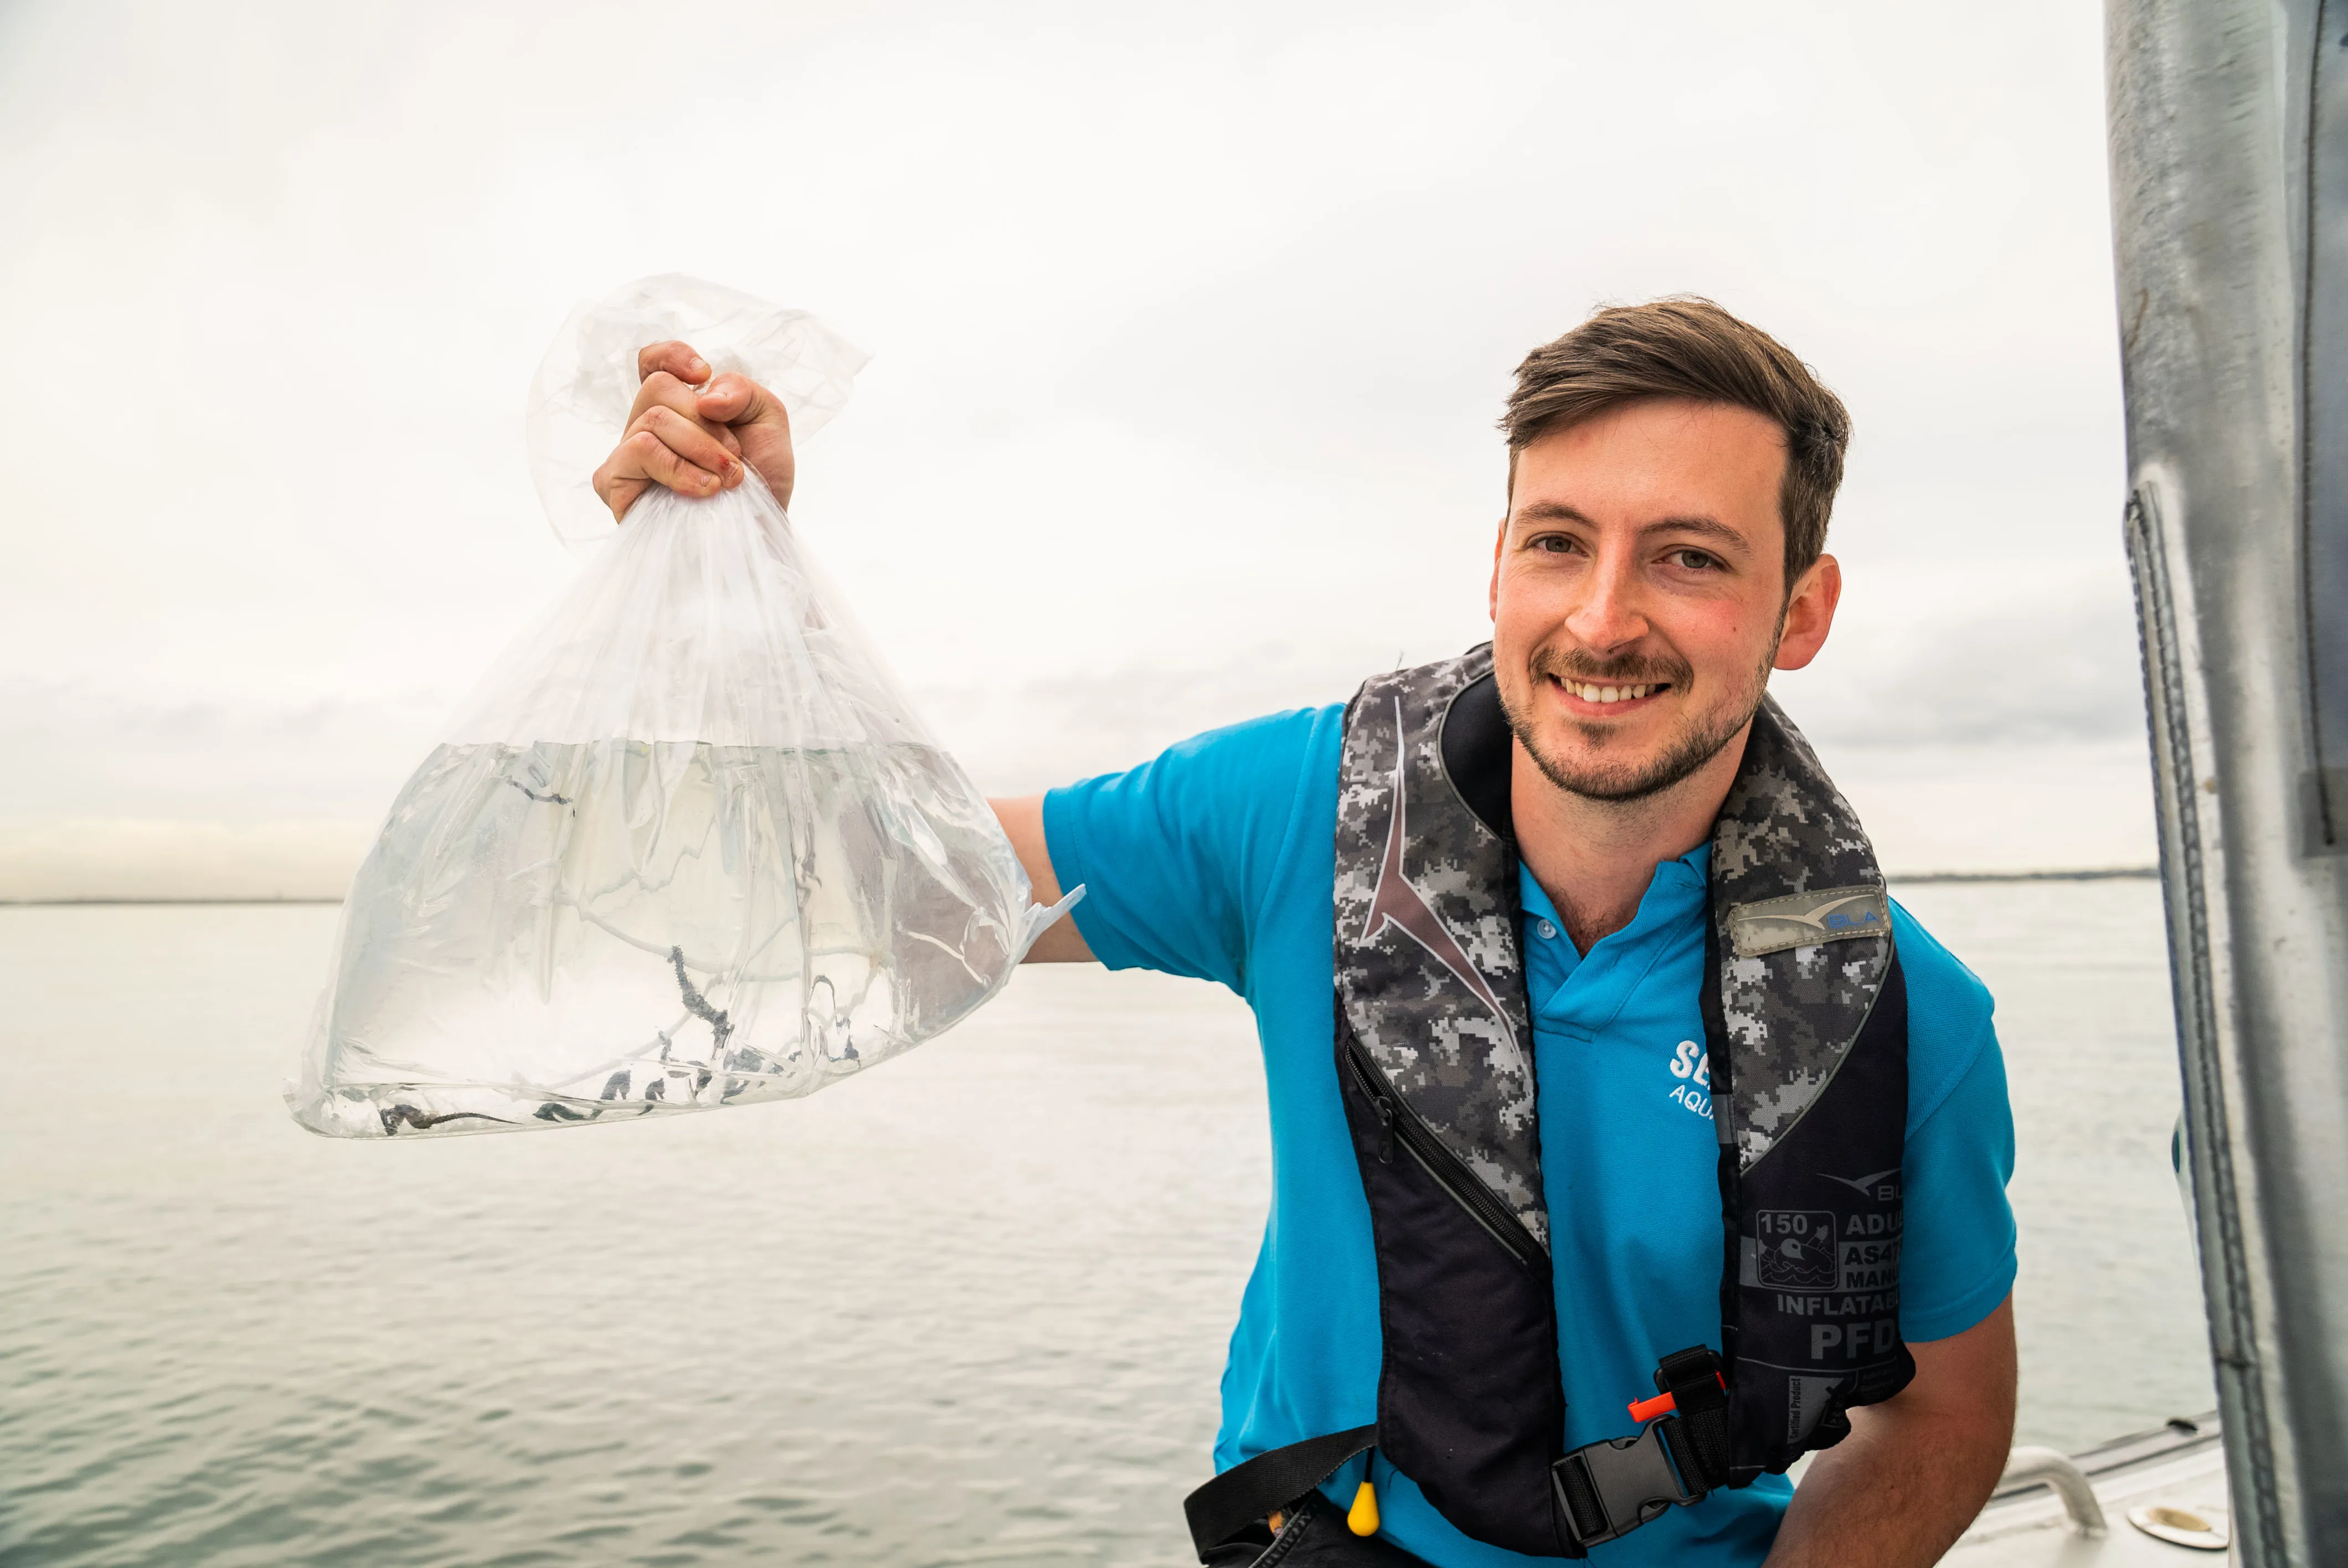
(694, 433)
(1917, 1468)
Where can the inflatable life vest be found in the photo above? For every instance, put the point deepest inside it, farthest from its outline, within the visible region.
(1806, 1017)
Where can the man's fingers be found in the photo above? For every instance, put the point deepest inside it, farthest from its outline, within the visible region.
(690, 442)
(645, 455)
(619, 494)
(703, 432)
(672, 441)
(663, 390)
(677, 359)
(740, 406)
(734, 399)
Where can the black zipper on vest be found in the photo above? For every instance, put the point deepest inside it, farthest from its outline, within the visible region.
(1398, 1122)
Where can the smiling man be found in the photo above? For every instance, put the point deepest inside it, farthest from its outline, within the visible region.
(1629, 1142)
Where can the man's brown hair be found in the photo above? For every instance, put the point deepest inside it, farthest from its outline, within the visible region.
(1688, 347)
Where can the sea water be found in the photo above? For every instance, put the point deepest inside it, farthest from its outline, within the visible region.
(552, 934)
(970, 1310)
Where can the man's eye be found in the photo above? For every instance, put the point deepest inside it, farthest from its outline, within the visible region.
(1555, 544)
(1694, 560)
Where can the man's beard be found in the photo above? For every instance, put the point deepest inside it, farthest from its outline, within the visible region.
(1705, 738)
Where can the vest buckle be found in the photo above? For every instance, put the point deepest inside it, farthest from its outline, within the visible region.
(1607, 1488)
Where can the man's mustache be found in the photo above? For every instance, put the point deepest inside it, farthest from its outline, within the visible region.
(1624, 670)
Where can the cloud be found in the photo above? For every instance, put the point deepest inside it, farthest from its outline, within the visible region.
(2044, 664)
(79, 750)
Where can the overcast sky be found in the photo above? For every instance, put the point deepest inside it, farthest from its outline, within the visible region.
(1190, 326)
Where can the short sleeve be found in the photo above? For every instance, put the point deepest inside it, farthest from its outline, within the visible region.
(1956, 1255)
(1175, 854)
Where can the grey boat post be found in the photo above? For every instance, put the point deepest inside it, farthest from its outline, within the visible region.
(2229, 123)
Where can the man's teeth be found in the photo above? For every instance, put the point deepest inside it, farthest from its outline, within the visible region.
(1611, 694)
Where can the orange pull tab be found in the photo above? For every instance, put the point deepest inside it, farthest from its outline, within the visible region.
(1661, 1405)
(1648, 1409)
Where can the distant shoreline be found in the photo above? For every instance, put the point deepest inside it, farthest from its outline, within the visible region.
(2101, 874)
(76, 903)
(2098, 874)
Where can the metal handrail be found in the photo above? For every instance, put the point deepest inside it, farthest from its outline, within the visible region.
(2055, 1470)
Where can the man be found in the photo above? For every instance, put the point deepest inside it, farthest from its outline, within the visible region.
(1600, 835)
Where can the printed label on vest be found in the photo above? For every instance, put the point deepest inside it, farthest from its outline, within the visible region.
(1813, 1258)
(1805, 1401)
(1804, 919)
(1797, 1250)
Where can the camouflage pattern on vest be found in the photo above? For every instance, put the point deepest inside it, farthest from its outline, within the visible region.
(1431, 973)
(1428, 967)
(1804, 932)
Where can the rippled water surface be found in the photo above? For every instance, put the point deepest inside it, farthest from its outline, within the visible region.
(969, 1308)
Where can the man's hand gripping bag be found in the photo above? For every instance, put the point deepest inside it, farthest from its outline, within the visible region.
(686, 845)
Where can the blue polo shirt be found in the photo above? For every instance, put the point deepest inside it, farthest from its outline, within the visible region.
(1217, 860)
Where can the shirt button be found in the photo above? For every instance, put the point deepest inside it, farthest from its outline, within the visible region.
(1547, 931)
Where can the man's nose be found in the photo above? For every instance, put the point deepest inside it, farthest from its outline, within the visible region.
(1611, 612)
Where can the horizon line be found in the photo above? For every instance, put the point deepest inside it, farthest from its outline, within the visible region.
(2084, 874)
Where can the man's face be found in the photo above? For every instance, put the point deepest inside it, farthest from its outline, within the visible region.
(1638, 594)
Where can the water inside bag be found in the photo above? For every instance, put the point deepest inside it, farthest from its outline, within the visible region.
(554, 934)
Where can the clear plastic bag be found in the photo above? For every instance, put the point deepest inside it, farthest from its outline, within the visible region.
(686, 846)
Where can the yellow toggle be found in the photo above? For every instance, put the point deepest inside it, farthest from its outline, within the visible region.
(1362, 1519)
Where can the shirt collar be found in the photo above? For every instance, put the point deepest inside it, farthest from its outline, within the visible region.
(1676, 892)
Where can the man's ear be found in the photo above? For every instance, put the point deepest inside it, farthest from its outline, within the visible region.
(1810, 613)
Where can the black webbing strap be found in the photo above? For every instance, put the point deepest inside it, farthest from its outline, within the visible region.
(1247, 1491)
(1693, 1378)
